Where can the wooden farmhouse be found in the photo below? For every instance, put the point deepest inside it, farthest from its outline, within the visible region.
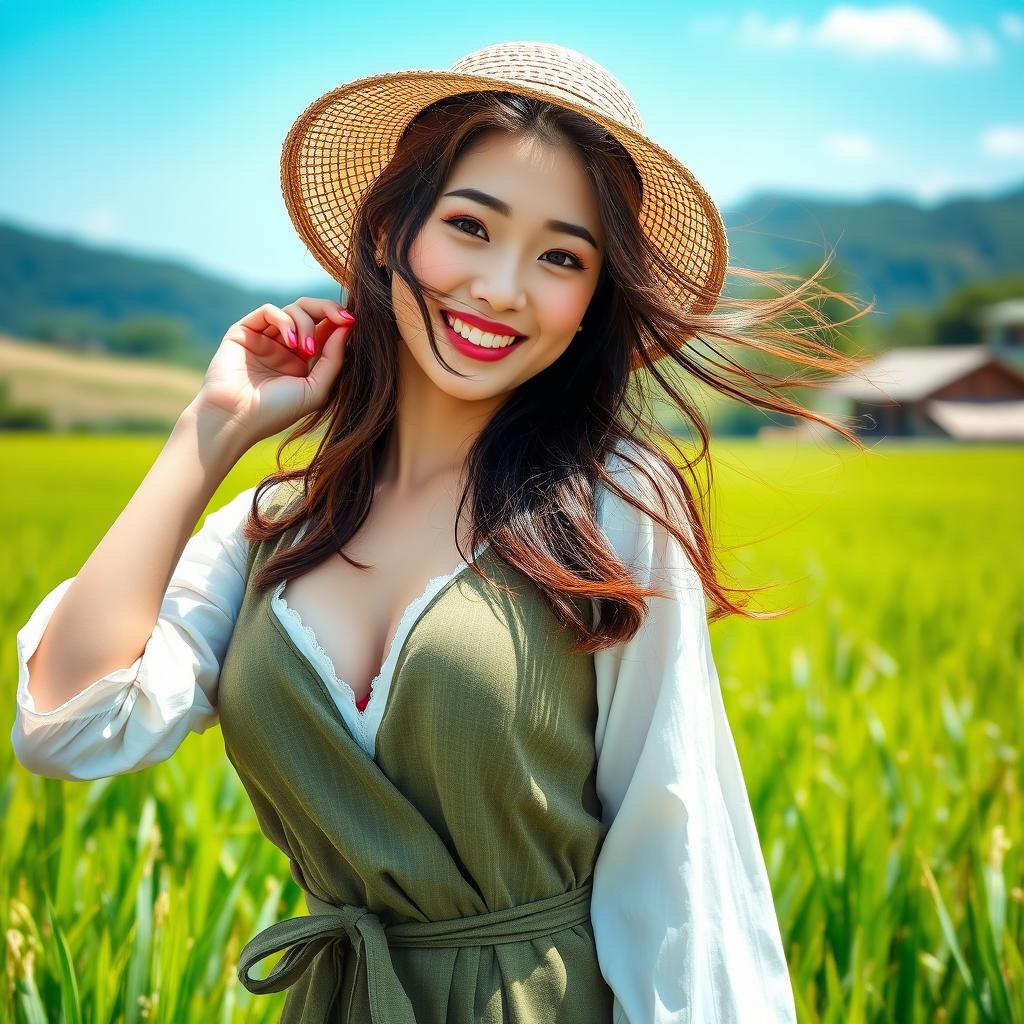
(962, 392)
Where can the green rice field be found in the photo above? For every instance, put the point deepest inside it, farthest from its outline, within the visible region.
(880, 728)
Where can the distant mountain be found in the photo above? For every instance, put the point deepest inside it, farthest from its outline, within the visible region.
(901, 254)
(52, 287)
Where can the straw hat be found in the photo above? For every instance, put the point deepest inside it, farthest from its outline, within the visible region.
(340, 143)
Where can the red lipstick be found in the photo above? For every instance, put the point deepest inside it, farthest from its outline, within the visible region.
(490, 326)
(479, 352)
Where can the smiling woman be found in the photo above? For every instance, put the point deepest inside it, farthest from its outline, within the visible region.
(508, 790)
(502, 215)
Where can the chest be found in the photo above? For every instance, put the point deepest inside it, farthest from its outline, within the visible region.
(482, 673)
(483, 726)
(355, 614)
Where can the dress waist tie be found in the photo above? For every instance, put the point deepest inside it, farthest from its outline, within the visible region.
(304, 937)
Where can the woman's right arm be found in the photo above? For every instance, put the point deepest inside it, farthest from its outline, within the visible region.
(118, 663)
(107, 614)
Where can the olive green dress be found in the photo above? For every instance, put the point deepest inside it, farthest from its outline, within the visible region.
(447, 877)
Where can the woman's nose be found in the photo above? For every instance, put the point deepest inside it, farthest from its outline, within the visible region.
(499, 286)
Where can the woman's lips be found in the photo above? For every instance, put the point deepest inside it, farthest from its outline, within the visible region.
(485, 355)
(481, 322)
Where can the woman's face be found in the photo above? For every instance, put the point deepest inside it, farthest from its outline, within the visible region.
(499, 259)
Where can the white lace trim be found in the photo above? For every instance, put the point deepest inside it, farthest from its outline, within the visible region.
(362, 723)
(314, 644)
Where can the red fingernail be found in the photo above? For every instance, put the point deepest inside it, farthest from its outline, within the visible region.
(309, 346)
(291, 339)
(348, 316)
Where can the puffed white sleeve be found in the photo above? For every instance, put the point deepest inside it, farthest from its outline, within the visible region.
(140, 714)
(683, 915)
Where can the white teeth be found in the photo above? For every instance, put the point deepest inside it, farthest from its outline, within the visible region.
(476, 336)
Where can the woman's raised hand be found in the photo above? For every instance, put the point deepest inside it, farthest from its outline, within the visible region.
(260, 379)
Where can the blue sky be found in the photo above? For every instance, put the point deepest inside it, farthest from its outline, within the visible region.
(157, 127)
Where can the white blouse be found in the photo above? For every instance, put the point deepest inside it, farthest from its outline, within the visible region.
(684, 922)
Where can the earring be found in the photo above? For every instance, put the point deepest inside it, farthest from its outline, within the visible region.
(580, 328)
(379, 256)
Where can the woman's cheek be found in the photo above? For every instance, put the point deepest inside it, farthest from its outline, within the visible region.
(434, 259)
(564, 311)
(432, 264)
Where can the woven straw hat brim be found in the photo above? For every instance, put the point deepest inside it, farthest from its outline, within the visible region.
(344, 139)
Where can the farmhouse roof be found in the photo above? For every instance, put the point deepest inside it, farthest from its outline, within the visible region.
(913, 373)
(979, 421)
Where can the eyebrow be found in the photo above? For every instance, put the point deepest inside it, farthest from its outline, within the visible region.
(506, 211)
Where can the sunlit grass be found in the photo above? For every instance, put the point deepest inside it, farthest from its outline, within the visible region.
(879, 728)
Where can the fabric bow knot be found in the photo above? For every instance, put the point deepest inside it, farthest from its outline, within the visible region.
(305, 937)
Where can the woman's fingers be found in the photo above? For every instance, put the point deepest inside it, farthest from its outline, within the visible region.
(270, 321)
(302, 341)
(326, 368)
(321, 309)
(307, 314)
(299, 326)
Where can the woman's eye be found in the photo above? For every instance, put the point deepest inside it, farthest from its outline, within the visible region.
(575, 264)
(464, 220)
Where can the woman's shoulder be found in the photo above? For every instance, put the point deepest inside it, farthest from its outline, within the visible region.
(645, 476)
(229, 519)
(636, 537)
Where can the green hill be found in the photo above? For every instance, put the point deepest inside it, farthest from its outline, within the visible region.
(907, 257)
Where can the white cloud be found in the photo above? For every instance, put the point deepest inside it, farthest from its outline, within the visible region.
(1012, 25)
(851, 146)
(902, 31)
(1003, 140)
(100, 224)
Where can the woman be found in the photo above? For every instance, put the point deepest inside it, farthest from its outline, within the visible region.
(508, 790)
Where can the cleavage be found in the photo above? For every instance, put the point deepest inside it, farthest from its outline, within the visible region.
(356, 614)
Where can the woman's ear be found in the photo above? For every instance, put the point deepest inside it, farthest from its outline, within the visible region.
(382, 241)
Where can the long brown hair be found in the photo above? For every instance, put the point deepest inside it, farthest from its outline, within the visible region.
(533, 470)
